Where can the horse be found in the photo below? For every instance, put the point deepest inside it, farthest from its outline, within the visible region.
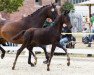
(43, 36)
(35, 20)
(2, 41)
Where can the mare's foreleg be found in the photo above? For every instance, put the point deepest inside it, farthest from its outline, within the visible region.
(3, 52)
(68, 58)
(51, 55)
(29, 57)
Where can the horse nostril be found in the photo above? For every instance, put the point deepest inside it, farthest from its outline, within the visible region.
(71, 26)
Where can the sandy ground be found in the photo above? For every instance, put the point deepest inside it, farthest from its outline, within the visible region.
(79, 66)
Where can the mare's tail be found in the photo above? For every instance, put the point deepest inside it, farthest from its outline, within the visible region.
(19, 35)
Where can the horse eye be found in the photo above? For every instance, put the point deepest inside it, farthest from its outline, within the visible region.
(52, 9)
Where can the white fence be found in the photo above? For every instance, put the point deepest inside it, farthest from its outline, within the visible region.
(57, 50)
(14, 49)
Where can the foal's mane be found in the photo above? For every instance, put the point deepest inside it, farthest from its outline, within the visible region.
(61, 16)
(56, 20)
(58, 23)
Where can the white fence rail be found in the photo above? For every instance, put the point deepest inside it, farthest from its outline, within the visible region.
(58, 50)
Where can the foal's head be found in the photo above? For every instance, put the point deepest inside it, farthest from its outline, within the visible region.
(62, 19)
(66, 19)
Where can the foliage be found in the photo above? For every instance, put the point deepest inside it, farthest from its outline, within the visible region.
(67, 6)
(10, 5)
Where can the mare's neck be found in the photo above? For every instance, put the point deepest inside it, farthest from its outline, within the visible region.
(37, 20)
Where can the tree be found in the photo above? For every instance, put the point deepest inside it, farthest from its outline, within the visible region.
(10, 6)
(67, 6)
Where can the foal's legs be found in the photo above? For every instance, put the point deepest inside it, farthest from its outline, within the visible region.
(68, 58)
(46, 54)
(29, 58)
(52, 52)
(3, 52)
(18, 53)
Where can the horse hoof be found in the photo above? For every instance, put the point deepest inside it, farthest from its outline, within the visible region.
(12, 68)
(35, 63)
(45, 62)
(29, 62)
(48, 69)
(68, 64)
(2, 55)
(32, 65)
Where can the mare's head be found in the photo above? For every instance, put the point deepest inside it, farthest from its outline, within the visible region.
(65, 19)
(52, 11)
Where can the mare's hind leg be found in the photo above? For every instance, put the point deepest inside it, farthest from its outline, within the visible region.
(18, 53)
(3, 52)
(52, 53)
(46, 54)
(29, 57)
(68, 58)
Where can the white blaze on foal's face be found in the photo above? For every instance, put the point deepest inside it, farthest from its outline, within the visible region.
(64, 25)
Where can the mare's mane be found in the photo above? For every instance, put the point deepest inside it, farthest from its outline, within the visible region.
(36, 12)
(34, 15)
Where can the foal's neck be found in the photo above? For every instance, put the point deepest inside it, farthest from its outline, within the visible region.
(58, 24)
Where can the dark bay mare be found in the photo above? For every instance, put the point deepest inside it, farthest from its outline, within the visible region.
(44, 36)
(2, 41)
(35, 20)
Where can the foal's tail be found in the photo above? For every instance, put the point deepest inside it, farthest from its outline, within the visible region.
(19, 35)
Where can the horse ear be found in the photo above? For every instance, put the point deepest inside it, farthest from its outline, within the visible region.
(53, 5)
(66, 12)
